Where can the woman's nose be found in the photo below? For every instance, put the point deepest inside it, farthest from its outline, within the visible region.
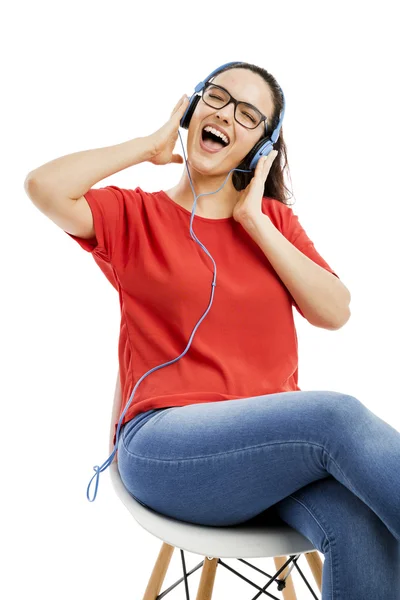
(227, 112)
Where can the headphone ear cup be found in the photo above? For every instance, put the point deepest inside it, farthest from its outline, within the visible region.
(189, 112)
(262, 148)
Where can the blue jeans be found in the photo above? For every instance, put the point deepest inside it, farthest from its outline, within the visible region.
(319, 460)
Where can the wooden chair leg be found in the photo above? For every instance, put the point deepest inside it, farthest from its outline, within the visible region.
(288, 592)
(206, 584)
(158, 575)
(315, 564)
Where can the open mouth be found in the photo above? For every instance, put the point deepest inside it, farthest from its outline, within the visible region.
(212, 140)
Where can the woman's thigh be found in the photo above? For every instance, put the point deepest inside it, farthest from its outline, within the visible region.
(362, 557)
(222, 463)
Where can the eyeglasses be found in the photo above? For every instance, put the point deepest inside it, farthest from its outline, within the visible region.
(245, 114)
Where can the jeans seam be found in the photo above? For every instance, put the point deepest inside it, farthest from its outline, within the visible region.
(220, 453)
(331, 541)
(258, 446)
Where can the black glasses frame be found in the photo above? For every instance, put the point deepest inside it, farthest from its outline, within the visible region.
(235, 102)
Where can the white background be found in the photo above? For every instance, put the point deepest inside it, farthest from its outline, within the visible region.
(71, 73)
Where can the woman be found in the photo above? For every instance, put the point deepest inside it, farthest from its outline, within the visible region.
(224, 433)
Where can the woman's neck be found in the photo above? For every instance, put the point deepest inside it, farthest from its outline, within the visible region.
(213, 206)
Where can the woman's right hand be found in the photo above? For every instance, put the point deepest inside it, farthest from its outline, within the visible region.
(164, 139)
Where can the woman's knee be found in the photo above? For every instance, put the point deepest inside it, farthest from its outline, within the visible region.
(336, 407)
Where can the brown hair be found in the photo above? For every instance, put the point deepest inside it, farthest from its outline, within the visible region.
(274, 185)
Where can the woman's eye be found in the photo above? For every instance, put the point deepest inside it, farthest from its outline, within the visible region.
(250, 117)
(214, 96)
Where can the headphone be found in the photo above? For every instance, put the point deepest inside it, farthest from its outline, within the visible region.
(262, 148)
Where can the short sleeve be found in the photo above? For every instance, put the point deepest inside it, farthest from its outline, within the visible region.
(107, 205)
(295, 233)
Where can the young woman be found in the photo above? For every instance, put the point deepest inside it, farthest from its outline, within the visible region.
(222, 432)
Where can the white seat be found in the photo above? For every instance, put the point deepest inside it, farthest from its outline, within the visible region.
(246, 540)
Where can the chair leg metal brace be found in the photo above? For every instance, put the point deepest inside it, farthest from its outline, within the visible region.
(206, 585)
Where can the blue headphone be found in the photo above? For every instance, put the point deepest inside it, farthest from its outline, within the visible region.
(263, 146)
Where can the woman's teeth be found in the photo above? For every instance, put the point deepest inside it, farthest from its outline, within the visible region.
(211, 145)
(217, 133)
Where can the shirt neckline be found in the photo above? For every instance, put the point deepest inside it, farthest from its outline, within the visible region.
(188, 212)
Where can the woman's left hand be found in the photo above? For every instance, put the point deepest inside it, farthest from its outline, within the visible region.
(248, 208)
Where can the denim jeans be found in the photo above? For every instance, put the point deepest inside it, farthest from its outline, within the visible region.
(319, 460)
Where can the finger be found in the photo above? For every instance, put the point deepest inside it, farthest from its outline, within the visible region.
(180, 105)
(262, 169)
(181, 109)
(179, 102)
(176, 106)
(273, 155)
(267, 162)
(259, 177)
(261, 166)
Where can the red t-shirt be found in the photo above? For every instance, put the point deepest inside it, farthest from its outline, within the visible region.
(245, 346)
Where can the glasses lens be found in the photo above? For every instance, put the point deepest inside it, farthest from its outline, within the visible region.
(245, 114)
(215, 97)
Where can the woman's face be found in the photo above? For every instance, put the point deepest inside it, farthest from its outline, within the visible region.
(246, 86)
